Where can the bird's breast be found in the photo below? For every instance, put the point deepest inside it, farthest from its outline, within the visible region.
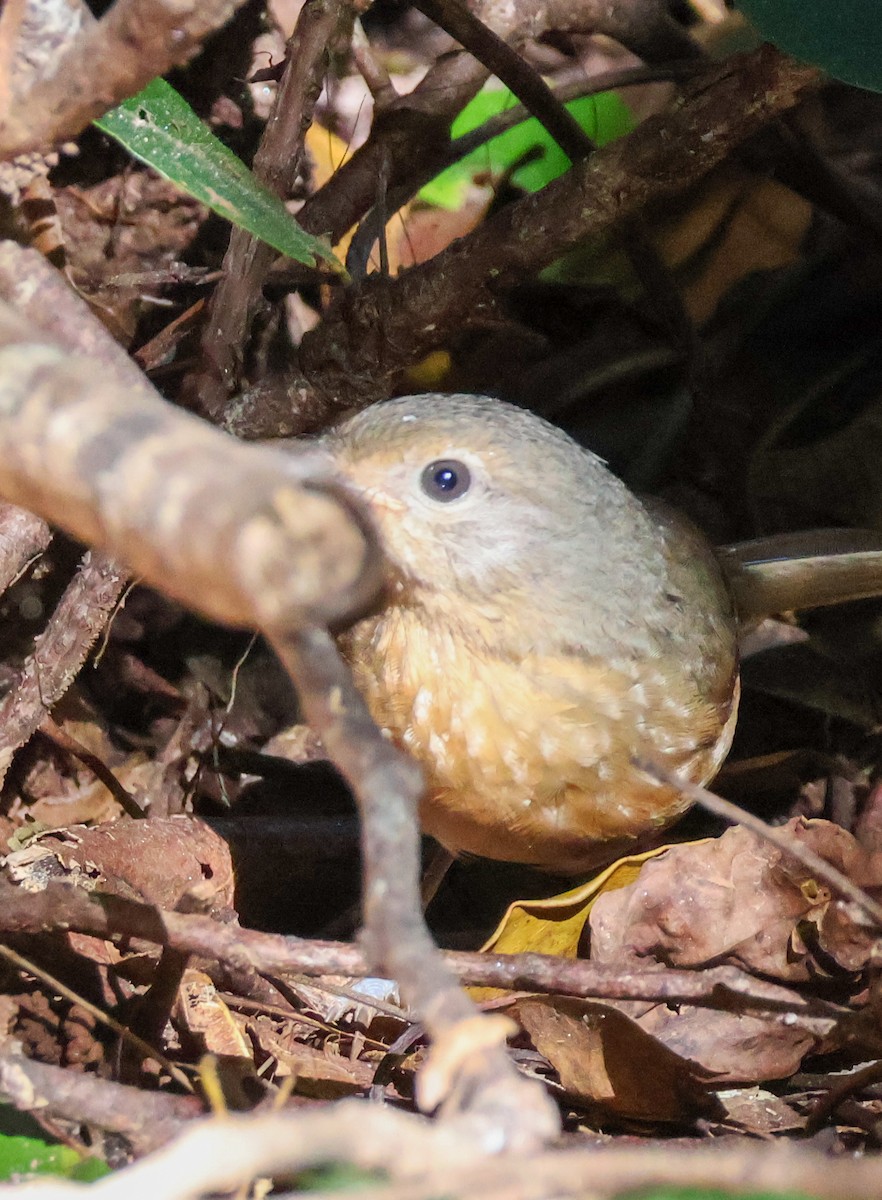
(530, 758)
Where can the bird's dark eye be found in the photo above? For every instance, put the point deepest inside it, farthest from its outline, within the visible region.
(445, 479)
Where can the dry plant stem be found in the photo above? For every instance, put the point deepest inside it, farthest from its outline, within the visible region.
(372, 71)
(659, 159)
(532, 90)
(59, 651)
(414, 131)
(387, 786)
(107, 61)
(99, 769)
(22, 537)
(425, 1161)
(276, 164)
(824, 870)
(842, 1089)
(41, 294)
(394, 323)
(500, 60)
(61, 906)
(150, 1119)
(572, 85)
(248, 536)
(132, 1039)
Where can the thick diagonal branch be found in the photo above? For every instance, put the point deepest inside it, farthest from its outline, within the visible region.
(372, 333)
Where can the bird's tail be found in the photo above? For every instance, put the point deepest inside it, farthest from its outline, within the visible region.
(792, 571)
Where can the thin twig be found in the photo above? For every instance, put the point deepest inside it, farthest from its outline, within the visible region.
(276, 164)
(570, 85)
(414, 132)
(59, 651)
(122, 1031)
(99, 769)
(422, 1161)
(387, 786)
(104, 63)
(372, 71)
(395, 323)
(148, 1119)
(509, 66)
(60, 906)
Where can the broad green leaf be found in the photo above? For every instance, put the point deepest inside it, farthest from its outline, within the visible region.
(160, 128)
(603, 117)
(26, 1157)
(842, 36)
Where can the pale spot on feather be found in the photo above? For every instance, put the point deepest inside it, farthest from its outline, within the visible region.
(438, 749)
(422, 705)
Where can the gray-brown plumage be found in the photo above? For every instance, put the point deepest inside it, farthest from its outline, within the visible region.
(542, 628)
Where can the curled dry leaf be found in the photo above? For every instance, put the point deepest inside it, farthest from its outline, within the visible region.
(739, 899)
(605, 1058)
(164, 861)
(735, 1047)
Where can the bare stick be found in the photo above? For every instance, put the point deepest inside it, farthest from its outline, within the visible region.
(414, 132)
(276, 164)
(396, 322)
(501, 60)
(387, 785)
(22, 538)
(147, 1118)
(42, 295)
(59, 651)
(424, 1161)
(104, 63)
(249, 536)
(61, 906)
(63, 740)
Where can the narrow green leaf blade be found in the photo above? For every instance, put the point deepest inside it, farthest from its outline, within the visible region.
(843, 36)
(160, 128)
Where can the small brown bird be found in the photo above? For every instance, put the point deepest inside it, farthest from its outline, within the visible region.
(544, 627)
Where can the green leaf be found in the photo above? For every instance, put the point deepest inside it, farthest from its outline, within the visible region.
(160, 128)
(603, 117)
(26, 1157)
(338, 1177)
(842, 36)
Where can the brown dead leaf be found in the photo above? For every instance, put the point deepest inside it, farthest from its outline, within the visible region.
(206, 1017)
(604, 1057)
(734, 1047)
(321, 1072)
(161, 861)
(736, 223)
(737, 899)
(757, 1111)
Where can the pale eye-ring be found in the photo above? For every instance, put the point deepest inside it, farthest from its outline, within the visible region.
(445, 479)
